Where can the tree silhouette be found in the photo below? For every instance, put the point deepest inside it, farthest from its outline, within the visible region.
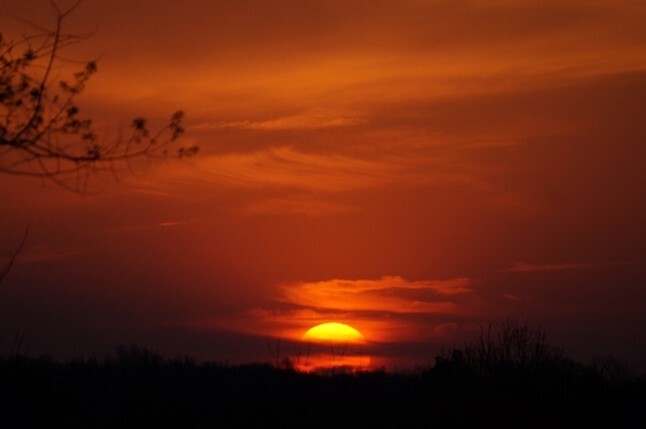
(513, 346)
(42, 132)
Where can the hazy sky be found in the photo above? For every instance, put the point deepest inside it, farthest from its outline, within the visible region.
(414, 168)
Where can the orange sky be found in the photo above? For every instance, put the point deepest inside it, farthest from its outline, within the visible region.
(411, 168)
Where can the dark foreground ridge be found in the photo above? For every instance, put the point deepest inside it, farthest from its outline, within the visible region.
(137, 388)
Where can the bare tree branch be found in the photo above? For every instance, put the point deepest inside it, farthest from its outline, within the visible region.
(4, 270)
(42, 132)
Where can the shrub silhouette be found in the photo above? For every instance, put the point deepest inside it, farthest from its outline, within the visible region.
(136, 387)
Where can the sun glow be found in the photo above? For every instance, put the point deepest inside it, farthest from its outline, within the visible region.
(334, 332)
(333, 347)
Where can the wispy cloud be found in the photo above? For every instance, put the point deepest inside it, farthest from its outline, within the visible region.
(285, 167)
(45, 252)
(525, 267)
(386, 309)
(391, 294)
(297, 206)
(164, 224)
(307, 120)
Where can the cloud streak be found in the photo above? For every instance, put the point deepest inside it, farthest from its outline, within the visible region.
(287, 167)
(385, 309)
(309, 120)
(164, 224)
(290, 168)
(525, 267)
(45, 253)
(391, 294)
(297, 206)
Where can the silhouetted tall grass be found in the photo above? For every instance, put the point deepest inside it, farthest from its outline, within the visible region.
(135, 387)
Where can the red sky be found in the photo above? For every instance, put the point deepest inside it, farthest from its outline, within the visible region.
(412, 168)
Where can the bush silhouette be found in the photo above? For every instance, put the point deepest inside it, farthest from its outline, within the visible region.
(136, 387)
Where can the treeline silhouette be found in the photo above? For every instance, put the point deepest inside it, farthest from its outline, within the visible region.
(488, 383)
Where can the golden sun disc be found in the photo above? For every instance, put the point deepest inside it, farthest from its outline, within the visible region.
(334, 332)
(333, 347)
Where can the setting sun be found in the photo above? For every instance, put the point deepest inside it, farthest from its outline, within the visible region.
(333, 346)
(334, 332)
(316, 213)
